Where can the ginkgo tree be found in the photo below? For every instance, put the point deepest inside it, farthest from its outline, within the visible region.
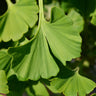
(42, 57)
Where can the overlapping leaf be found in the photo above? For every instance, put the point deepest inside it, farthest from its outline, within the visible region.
(62, 36)
(34, 60)
(77, 19)
(38, 90)
(5, 60)
(72, 85)
(14, 23)
(84, 6)
(3, 83)
(16, 87)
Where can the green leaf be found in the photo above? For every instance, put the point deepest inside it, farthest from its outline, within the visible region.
(22, 41)
(77, 19)
(66, 5)
(16, 87)
(60, 34)
(37, 90)
(93, 20)
(54, 16)
(72, 85)
(34, 60)
(5, 60)
(85, 7)
(3, 83)
(15, 22)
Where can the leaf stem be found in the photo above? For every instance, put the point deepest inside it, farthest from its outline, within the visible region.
(41, 16)
(9, 3)
(41, 12)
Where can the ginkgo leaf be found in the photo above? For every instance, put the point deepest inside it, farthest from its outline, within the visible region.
(75, 16)
(16, 87)
(34, 60)
(5, 60)
(72, 85)
(3, 83)
(54, 16)
(62, 36)
(85, 7)
(14, 23)
(78, 20)
(38, 90)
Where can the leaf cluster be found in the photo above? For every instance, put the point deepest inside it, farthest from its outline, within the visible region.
(46, 46)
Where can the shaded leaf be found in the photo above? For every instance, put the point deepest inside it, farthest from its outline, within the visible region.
(6, 45)
(3, 83)
(5, 60)
(39, 90)
(16, 87)
(85, 7)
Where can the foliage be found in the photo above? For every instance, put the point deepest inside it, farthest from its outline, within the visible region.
(3, 82)
(47, 47)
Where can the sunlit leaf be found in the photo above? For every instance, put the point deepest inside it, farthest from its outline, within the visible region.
(19, 16)
(72, 85)
(60, 34)
(78, 20)
(34, 60)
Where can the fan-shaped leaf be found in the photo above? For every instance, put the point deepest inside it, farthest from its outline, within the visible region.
(62, 36)
(34, 60)
(73, 85)
(14, 23)
(77, 19)
(5, 60)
